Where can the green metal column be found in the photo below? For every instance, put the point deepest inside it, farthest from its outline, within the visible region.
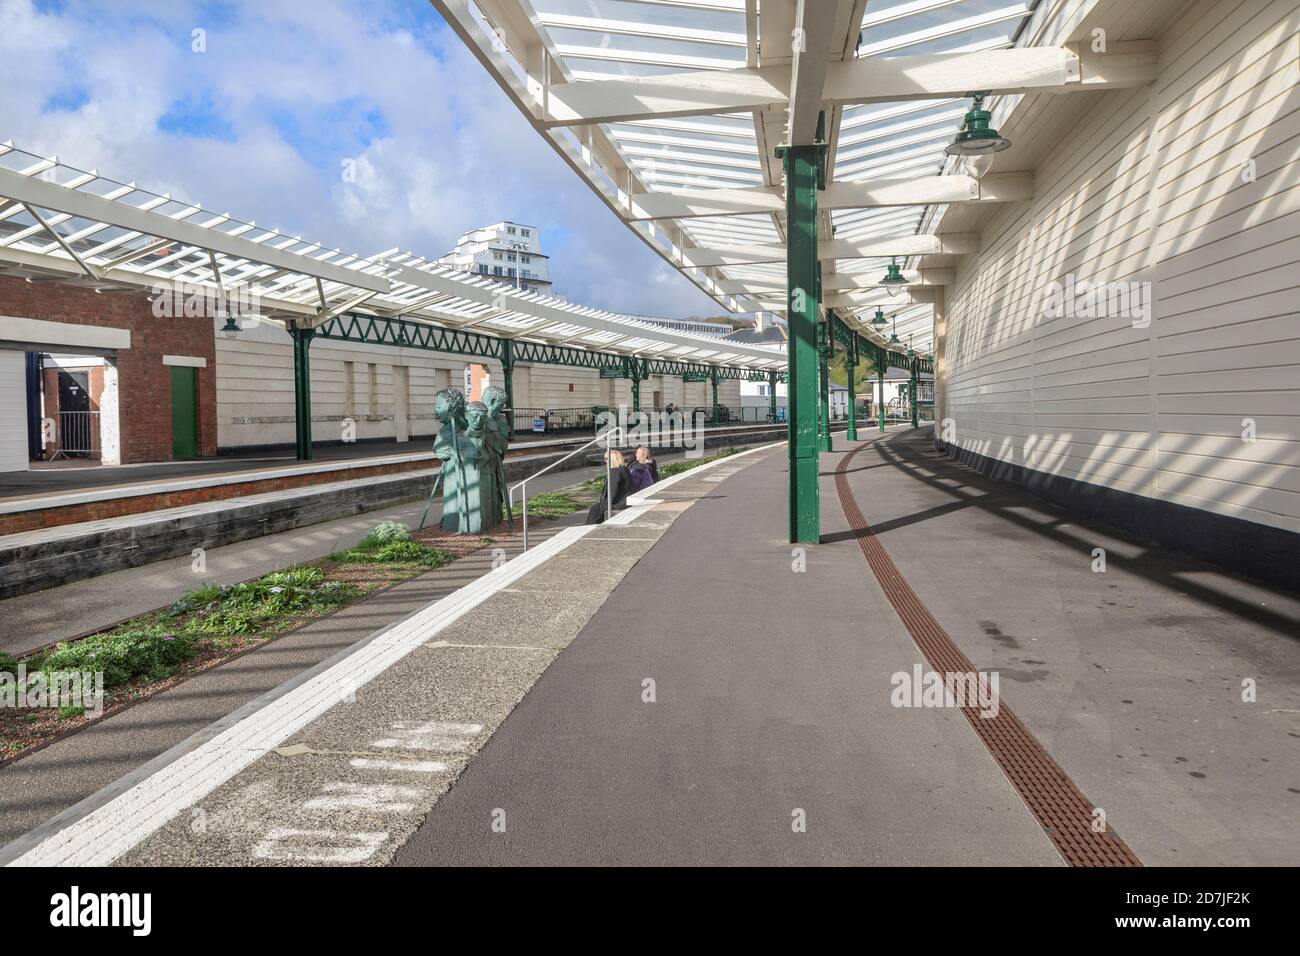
(302, 389)
(851, 368)
(634, 371)
(771, 394)
(912, 398)
(801, 181)
(508, 380)
(824, 351)
(880, 372)
(713, 377)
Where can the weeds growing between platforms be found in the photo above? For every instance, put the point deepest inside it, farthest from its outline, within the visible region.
(213, 624)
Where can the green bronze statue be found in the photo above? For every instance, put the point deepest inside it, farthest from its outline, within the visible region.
(482, 434)
(498, 433)
(471, 445)
(460, 464)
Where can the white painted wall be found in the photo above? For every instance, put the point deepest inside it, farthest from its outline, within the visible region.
(13, 411)
(1148, 187)
(255, 388)
(365, 384)
(110, 425)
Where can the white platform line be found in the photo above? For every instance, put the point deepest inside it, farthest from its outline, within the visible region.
(364, 846)
(121, 823)
(104, 834)
(404, 766)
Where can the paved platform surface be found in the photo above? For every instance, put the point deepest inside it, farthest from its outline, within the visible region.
(49, 781)
(773, 693)
(689, 688)
(355, 778)
(772, 700)
(1132, 677)
(61, 477)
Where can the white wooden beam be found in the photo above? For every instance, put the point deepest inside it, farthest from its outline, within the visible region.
(853, 300)
(839, 282)
(691, 203)
(814, 23)
(47, 195)
(854, 81)
(947, 244)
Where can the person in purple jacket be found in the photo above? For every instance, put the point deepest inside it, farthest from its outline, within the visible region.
(644, 471)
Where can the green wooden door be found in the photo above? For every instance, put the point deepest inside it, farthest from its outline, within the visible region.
(185, 413)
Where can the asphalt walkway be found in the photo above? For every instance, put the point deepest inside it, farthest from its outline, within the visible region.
(691, 689)
(771, 714)
(773, 693)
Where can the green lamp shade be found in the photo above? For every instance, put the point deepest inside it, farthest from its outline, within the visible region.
(893, 275)
(977, 138)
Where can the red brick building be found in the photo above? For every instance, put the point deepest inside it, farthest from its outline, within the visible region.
(162, 369)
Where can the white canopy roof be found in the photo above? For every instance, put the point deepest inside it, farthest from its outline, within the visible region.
(58, 220)
(671, 110)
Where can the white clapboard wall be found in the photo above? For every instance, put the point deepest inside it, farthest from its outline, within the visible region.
(13, 411)
(1194, 185)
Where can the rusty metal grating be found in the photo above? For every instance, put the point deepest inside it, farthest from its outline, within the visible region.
(1061, 809)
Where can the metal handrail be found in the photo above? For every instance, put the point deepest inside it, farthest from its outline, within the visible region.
(607, 438)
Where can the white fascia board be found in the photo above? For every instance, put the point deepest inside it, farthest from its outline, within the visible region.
(62, 335)
(838, 282)
(853, 300)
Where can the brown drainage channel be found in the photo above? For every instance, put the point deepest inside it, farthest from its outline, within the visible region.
(1061, 809)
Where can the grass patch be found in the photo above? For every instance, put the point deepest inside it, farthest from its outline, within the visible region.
(212, 623)
(264, 604)
(391, 543)
(124, 654)
(404, 552)
(554, 504)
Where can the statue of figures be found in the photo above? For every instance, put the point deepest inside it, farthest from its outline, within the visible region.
(460, 464)
(499, 434)
(482, 433)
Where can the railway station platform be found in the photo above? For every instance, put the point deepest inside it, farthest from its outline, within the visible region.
(682, 685)
(59, 525)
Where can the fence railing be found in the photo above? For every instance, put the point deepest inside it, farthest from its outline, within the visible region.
(76, 436)
(608, 439)
(553, 421)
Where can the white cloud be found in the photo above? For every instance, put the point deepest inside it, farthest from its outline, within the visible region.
(294, 94)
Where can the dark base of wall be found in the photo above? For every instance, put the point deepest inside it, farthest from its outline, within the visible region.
(1270, 555)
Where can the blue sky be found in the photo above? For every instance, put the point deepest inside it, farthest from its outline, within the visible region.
(258, 114)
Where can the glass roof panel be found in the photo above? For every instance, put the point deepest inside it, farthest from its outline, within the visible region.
(612, 39)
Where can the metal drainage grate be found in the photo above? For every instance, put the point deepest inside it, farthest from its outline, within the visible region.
(1061, 809)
